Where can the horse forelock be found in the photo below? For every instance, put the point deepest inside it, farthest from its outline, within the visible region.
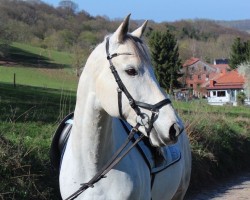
(138, 46)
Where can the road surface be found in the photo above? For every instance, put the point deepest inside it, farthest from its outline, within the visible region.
(235, 188)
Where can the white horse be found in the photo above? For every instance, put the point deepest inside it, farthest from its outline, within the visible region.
(97, 133)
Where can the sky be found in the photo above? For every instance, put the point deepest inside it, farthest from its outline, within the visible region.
(165, 10)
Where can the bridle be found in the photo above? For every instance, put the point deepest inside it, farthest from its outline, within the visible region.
(142, 120)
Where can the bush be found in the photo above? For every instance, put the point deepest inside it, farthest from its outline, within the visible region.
(25, 168)
(241, 96)
(220, 141)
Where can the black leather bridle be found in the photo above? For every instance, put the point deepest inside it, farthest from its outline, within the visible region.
(142, 120)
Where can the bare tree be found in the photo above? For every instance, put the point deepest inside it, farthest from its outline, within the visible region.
(79, 56)
(244, 70)
(68, 5)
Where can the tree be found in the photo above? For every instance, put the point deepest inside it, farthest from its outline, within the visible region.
(244, 70)
(240, 52)
(165, 58)
(79, 57)
(69, 5)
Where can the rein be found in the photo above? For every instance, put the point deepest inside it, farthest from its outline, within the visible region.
(142, 120)
(110, 164)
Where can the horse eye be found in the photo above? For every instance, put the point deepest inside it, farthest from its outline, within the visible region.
(131, 72)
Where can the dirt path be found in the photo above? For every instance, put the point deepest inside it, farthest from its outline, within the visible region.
(236, 188)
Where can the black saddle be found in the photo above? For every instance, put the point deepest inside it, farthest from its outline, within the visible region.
(59, 141)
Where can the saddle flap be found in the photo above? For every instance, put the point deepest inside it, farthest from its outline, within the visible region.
(59, 141)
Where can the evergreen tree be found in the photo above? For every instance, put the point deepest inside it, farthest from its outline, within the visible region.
(240, 52)
(165, 58)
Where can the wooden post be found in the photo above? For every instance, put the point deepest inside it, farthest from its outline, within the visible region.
(14, 80)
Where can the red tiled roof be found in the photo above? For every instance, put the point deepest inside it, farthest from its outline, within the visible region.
(190, 61)
(231, 79)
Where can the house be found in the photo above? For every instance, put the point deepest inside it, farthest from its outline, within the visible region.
(224, 89)
(196, 76)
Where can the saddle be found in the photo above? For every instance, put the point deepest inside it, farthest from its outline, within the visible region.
(59, 141)
(157, 158)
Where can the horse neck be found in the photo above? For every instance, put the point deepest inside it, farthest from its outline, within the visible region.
(92, 140)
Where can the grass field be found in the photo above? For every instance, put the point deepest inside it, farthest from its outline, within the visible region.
(29, 116)
(36, 54)
(39, 67)
(40, 77)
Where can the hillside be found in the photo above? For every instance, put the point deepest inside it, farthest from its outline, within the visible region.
(61, 29)
(38, 67)
(243, 25)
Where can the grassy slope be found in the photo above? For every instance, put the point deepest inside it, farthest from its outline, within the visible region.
(38, 67)
(220, 140)
(62, 58)
(29, 116)
(47, 78)
(30, 113)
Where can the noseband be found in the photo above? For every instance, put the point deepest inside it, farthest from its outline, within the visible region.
(142, 118)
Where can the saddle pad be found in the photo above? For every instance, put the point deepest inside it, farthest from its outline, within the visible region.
(157, 158)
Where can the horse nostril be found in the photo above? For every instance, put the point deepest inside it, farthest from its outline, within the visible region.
(174, 132)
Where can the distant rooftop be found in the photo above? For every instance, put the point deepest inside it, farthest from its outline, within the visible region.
(190, 61)
(230, 79)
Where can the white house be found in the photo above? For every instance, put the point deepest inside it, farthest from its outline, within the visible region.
(224, 89)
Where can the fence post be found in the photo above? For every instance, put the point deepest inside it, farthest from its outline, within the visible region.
(14, 80)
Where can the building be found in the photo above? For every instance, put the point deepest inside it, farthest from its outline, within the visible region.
(224, 89)
(197, 74)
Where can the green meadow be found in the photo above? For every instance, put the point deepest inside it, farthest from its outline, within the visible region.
(38, 67)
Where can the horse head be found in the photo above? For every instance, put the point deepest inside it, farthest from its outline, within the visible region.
(122, 63)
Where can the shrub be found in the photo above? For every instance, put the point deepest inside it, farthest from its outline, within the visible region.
(241, 96)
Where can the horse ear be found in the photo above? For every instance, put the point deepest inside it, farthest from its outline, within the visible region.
(122, 30)
(139, 32)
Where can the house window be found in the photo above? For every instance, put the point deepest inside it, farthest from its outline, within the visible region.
(221, 93)
(205, 68)
(191, 77)
(191, 85)
(214, 93)
(199, 77)
(207, 75)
